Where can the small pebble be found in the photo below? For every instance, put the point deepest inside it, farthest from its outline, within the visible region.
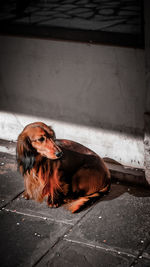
(140, 257)
(18, 223)
(142, 241)
(65, 235)
(119, 252)
(100, 217)
(128, 189)
(35, 233)
(2, 163)
(44, 218)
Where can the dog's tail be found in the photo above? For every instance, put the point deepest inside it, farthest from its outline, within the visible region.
(77, 204)
(80, 202)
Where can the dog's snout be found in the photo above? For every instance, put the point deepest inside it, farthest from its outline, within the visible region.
(59, 154)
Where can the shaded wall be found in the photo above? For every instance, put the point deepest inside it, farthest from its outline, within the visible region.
(90, 93)
(147, 79)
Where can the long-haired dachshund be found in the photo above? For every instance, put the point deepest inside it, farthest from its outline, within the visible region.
(60, 170)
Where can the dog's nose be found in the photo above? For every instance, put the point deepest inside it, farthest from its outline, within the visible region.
(58, 154)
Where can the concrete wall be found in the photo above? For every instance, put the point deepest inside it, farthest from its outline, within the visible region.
(93, 94)
(147, 79)
(147, 53)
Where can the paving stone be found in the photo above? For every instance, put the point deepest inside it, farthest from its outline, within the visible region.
(91, 5)
(77, 11)
(7, 147)
(12, 185)
(37, 12)
(65, 7)
(24, 239)
(124, 12)
(106, 11)
(142, 263)
(10, 180)
(79, 16)
(74, 254)
(111, 232)
(60, 214)
(134, 8)
(119, 220)
(83, 2)
(146, 252)
(148, 249)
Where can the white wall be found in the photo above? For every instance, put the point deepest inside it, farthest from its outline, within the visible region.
(94, 94)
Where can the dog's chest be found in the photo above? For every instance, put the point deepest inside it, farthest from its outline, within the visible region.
(70, 162)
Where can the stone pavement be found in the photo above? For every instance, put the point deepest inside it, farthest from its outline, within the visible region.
(105, 15)
(118, 22)
(115, 231)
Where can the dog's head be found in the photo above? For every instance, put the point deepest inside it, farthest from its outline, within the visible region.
(36, 138)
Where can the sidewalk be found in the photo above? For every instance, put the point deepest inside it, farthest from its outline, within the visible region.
(85, 20)
(115, 231)
(113, 16)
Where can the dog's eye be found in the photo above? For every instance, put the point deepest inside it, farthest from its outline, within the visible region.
(41, 139)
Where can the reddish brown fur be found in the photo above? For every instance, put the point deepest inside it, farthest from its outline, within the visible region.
(59, 170)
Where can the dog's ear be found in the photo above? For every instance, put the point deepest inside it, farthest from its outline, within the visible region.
(25, 154)
(48, 129)
(51, 132)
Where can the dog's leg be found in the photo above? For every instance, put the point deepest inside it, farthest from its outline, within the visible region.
(25, 195)
(56, 201)
(89, 184)
(89, 181)
(57, 197)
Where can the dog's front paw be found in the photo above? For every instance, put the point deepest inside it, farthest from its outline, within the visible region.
(25, 195)
(55, 203)
(52, 205)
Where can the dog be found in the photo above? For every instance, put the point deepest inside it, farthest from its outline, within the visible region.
(58, 170)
